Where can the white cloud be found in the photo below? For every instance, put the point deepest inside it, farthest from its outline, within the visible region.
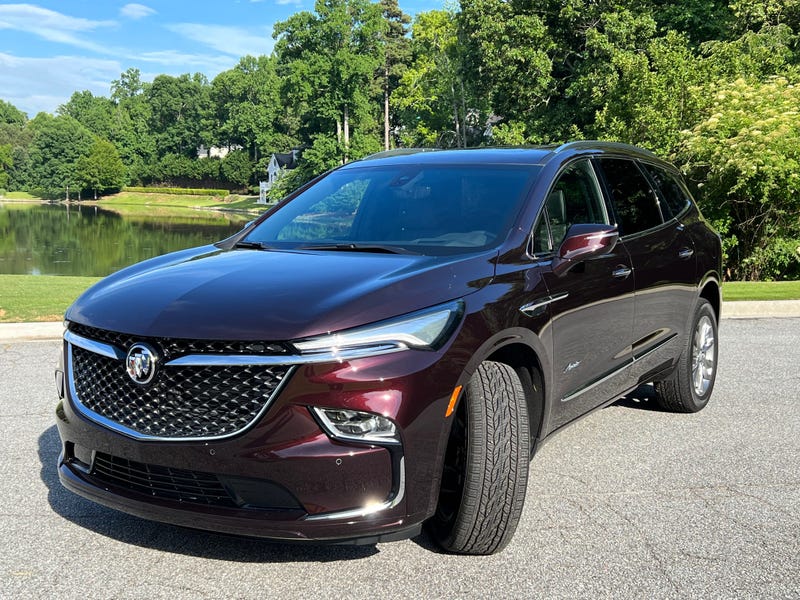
(183, 61)
(236, 41)
(136, 11)
(42, 84)
(52, 26)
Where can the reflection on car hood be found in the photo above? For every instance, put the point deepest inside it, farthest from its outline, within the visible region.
(239, 294)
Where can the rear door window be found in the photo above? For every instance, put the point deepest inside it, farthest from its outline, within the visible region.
(635, 202)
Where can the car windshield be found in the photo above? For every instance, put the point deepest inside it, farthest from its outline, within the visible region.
(425, 209)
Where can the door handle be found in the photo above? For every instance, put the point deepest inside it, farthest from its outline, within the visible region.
(685, 253)
(621, 272)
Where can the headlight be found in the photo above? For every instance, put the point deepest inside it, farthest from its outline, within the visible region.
(427, 329)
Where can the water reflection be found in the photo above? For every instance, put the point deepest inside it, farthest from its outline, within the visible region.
(87, 240)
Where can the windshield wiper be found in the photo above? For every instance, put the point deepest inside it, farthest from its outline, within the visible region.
(376, 248)
(251, 244)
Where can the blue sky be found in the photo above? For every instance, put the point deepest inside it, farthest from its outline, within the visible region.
(50, 49)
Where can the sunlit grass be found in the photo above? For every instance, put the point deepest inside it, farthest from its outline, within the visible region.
(761, 290)
(25, 298)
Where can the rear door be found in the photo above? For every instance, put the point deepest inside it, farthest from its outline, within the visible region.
(662, 256)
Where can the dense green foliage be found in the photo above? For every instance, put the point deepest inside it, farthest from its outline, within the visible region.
(709, 84)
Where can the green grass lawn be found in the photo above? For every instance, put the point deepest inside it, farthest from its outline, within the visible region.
(25, 298)
(761, 290)
(19, 196)
(133, 203)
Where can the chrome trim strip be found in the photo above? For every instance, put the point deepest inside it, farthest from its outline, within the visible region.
(100, 348)
(666, 340)
(365, 511)
(600, 381)
(203, 360)
(535, 308)
(122, 429)
(233, 360)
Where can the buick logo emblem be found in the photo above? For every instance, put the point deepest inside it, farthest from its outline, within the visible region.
(141, 363)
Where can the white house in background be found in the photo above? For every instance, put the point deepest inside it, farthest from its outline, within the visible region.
(280, 162)
(216, 151)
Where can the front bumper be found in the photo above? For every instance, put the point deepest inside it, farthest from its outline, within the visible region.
(327, 490)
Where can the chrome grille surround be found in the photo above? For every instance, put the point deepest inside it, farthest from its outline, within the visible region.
(183, 402)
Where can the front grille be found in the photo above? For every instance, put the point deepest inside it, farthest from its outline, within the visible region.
(161, 482)
(181, 402)
(174, 347)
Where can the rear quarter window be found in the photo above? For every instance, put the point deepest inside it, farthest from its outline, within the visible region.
(672, 192)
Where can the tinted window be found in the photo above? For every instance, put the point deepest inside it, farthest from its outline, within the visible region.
(574, 198)
(422, 207)
(634, 201)
(670, 189)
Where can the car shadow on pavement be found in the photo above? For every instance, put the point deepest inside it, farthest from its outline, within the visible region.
(642, 398)
(169, 538)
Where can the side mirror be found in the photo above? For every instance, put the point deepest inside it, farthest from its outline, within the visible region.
(583, 241)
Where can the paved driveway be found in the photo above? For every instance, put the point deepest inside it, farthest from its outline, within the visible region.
(630, 502)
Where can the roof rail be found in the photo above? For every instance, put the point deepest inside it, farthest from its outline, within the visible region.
(594, 144)
(399, 152)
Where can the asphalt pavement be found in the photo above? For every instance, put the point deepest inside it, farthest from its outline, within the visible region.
(630, 502)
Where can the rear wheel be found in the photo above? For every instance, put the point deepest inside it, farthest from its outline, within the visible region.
(689, 386)
(486, 465)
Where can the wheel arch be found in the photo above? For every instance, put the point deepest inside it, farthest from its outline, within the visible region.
(526, 363)
(710, 289)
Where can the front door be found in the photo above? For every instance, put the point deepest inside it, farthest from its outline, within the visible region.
(591, 305)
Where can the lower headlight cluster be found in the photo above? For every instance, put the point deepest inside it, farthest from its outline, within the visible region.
(357, 425)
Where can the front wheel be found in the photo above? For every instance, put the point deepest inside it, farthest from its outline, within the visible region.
(486, 465)
(689, 386)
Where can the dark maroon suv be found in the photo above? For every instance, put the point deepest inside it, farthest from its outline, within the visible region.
(389, 346)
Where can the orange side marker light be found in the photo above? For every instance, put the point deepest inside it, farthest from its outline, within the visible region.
(453, 399)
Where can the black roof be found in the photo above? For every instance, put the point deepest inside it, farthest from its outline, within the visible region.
(525, 155)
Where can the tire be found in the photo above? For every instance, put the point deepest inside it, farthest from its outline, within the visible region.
(486, 465)
(689, 387)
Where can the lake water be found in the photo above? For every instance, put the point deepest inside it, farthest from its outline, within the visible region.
(44, 239)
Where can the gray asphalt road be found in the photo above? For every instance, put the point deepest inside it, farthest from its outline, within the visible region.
(629, 503)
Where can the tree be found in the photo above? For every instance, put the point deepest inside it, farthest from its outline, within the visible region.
(745, 154)
(179, 112)
(655, 95)
(396, 56)
(327, 60)
(10, 114)
(434, 93)
(130, 131)
(101, 170)
(58, 143)
(237, 168)
(6, 163)
(93, 112)
(247, 106)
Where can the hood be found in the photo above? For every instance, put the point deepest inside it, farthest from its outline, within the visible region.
(244, 294)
